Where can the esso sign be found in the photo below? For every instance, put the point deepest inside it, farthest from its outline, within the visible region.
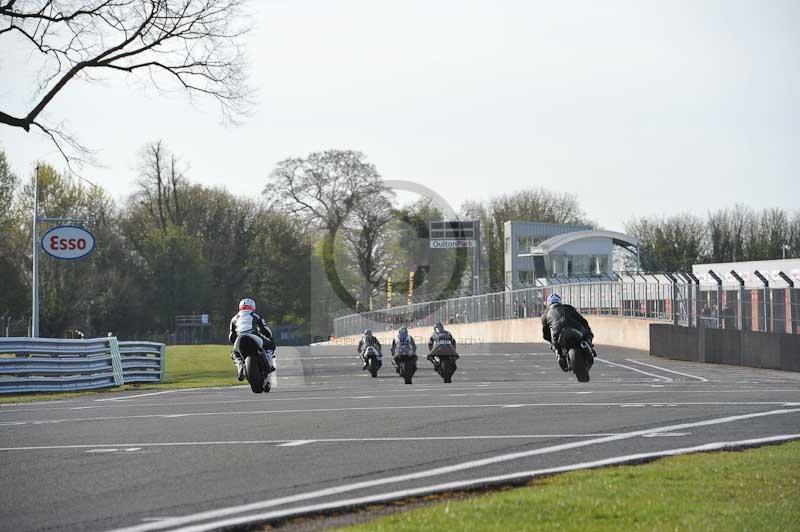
(68, 242)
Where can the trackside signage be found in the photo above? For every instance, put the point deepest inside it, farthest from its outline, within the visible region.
(68, 242)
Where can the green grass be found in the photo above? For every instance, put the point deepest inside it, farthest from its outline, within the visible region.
(758, 489)
(188, 366)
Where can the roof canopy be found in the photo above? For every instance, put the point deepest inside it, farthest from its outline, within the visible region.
(553, 243)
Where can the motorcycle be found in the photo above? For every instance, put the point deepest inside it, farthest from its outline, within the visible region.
(444, 356)
(580, 355)
(405, 363)
(373, 359)
(255, 364)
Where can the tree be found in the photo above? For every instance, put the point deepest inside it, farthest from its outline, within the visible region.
(324, 189)
(670, 244)
(13, 296)
(193, 45)
(365, 237)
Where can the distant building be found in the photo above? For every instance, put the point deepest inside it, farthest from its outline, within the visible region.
(746, 270)
(537, 251)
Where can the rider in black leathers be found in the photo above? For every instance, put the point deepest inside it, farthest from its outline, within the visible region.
(556, 317)
(439, 333)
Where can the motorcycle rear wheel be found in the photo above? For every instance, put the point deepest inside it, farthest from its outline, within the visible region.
(578, 362)
(253, 371)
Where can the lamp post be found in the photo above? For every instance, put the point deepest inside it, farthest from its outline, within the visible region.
(784, 248)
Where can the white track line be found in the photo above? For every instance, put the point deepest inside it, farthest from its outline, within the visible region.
(701, 379)
(592, 404)
(464, 466)
(286, 443)
(126, 397)
(659, 377)
(479, 482)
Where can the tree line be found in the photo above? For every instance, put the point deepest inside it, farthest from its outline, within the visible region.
(735, 234)
(326, 238)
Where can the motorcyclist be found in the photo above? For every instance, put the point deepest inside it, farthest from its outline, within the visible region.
(403, 339)
(368, 340)
(439, 334)
(247, 322)
(556, 317)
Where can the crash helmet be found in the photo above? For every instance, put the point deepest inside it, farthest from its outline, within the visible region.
(367, 333)
(438, 327)
(553, 299)
(403, 332)
(247, 304)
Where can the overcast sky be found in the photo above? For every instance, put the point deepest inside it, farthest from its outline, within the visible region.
(638, 107)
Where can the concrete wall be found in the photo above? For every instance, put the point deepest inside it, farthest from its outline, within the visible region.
(622, 332)
(726, 346)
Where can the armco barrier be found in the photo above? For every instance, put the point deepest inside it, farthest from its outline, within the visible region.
(726, 346)
(53, 365)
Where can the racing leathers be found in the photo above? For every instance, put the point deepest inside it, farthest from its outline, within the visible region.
(398, 343)
(247, 322)
(368, 340)
(556, 318)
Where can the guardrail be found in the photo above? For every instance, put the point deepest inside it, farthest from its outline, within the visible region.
(56, 365)
(680, 303)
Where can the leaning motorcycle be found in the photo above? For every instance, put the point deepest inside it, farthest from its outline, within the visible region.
(580, 355)
(444, 356)
(255, 363)
(374, 360)
(406, 363)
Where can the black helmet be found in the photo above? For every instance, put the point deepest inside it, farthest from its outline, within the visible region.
(438, 327)
(367, 333)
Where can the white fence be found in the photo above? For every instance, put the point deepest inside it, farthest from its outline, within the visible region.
(55, 365)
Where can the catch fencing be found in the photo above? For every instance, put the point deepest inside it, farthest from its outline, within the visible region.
(56, 365)
(680, 303)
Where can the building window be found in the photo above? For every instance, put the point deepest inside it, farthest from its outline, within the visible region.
(526, 277)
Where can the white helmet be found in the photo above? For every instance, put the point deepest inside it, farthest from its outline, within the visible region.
(247, 304)
(554, 299)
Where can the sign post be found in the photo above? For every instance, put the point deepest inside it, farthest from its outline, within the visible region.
(458, 234)
(68, 242)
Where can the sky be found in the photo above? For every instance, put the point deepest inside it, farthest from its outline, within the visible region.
(639, 108)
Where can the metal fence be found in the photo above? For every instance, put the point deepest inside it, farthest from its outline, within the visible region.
(777, 309)
(54, 365)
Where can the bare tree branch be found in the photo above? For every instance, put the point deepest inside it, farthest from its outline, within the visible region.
(195, 45)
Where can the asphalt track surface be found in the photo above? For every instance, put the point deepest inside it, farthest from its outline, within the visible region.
(206, 458)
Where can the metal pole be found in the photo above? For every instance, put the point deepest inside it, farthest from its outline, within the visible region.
(35, 279)
(477, 256)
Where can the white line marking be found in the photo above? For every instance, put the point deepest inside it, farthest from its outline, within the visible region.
(593, 404)
(148, 394)
(659, 377)
(111, 450)
(323, 440)
(701, 379)
(439, 488)
(337, 490)
(666, 434)
(296, 443)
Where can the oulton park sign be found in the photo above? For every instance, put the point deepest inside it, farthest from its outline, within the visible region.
(68, 242)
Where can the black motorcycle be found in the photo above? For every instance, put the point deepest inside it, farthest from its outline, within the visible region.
(255, 363)
(579, 352)
(406, 363)
(444, 356)
(374, 360)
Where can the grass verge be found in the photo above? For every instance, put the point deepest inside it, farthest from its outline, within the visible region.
(188, 366)
(757, 489)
